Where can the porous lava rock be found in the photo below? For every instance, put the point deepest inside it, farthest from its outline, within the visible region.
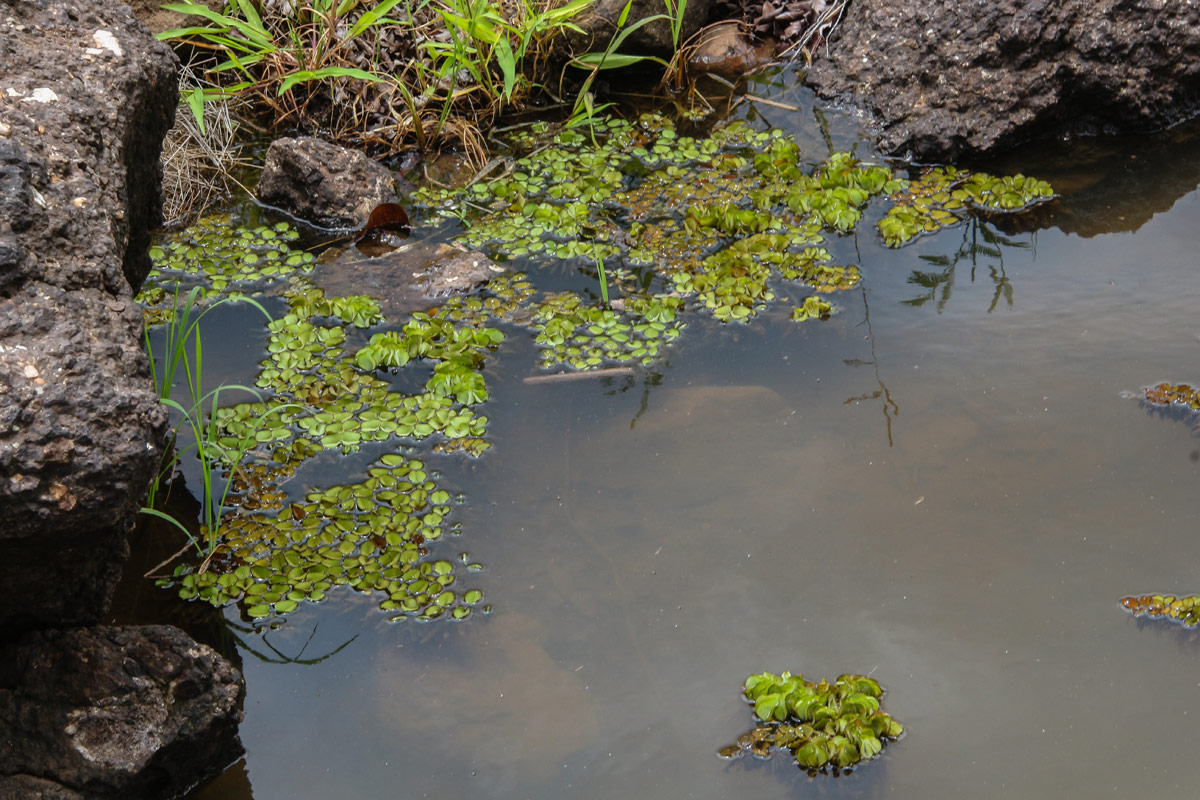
(944, 79)
(325, 184)
(114, 712)
(86, 95)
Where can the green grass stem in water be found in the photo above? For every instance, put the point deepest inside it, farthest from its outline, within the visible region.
(184, 352)
(603, 281)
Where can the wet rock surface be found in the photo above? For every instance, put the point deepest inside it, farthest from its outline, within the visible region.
(945, 79)
(413, 276)
(112, 712)
(27, 787)
(330, 186)
(86, 96)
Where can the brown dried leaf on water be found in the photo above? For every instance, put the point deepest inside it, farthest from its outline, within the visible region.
(384, 217)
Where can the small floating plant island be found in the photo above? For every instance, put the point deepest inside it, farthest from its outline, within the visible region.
(826, 727)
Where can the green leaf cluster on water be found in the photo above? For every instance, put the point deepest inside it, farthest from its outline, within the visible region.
(821, 724)
(813, 306)
(720, 221)
(222, 257)
(507, 295)
(586, 337)
(1184, 610)
(569, 331)
(358, 310)
(945, 195)
(317, 396)
(374, 530)
(371, 536)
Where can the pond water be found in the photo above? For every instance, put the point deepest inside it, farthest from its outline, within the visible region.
(944, 485)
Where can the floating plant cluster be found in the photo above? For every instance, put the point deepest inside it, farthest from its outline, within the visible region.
(716, 218)
(823, 725)
(1184, 610)
(944, 195)
(370, 536)
(317, 396)
(506, 296)
(1181, 395)
(813, 306)
(586, 337)
(721, 219)
(222, 257)
(324, 399)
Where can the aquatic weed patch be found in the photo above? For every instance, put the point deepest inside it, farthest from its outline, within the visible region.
(367, 535)
(1184, 610)
(223, 257)
(1179, 402)
(823, 725)
(944, 196)
(372, 535)
(724, 220)
(813, 306)
(1180, 395)
(724, 224)
(587, 337)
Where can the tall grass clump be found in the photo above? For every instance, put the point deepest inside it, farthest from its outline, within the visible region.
(182, 359)
(383, 75)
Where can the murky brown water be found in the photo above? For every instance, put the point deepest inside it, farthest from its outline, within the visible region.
(949, 493)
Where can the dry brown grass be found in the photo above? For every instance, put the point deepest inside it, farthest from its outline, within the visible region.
(198, 166)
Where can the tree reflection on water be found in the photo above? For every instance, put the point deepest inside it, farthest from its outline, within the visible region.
(982, 245)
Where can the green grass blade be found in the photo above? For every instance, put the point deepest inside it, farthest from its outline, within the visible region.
(369, 18)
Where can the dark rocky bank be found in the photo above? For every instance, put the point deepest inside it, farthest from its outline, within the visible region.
(85, 99)
(86, 96)
(946, 79)
(119, 712)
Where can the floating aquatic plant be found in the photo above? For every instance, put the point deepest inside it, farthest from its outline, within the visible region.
(222, 257)
(1181, 394)
(371, 536)
(944, 195)
(718, 219)
(358, 310)
(371, 528)
(504, 296)
(814, 308)
(586, 337)
(823, 725)
(725, 223)
(1184, 610)
(428, 337)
